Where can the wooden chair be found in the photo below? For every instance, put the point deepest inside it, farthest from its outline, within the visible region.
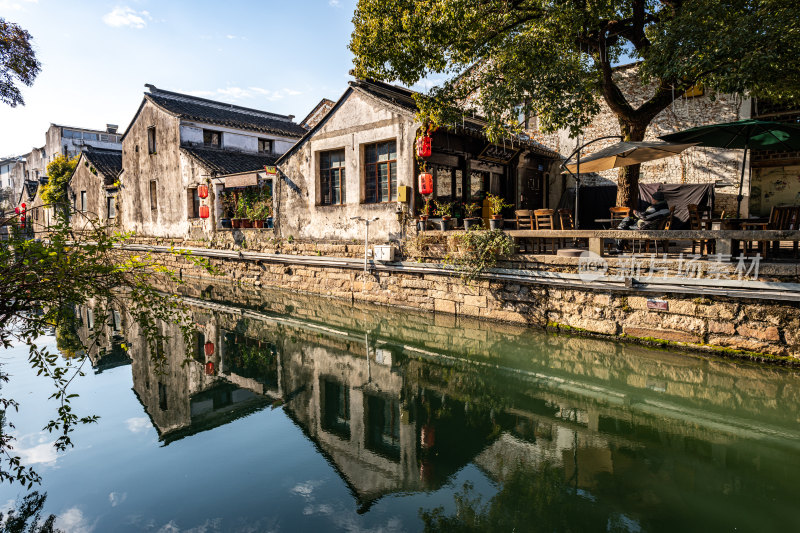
(784, 217)
(524, 221)
(566, 222)
(617, 214)
(544, 219)
(699, 220)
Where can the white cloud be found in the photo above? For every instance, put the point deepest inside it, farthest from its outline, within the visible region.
(231, 36)
(41, 454)
(245, 93)
(138, 425)
(15, 6)
(73, 521)
(116, 498)
(125, 16)
(335, 3)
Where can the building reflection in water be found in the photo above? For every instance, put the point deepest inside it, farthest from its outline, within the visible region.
(402, 403)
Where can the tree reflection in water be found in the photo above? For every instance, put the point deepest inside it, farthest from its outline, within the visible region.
(26, 516)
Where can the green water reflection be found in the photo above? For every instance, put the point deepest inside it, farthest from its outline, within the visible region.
(576, 434)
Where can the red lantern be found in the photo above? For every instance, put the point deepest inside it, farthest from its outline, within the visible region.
(209, 369)
(424, 146)
(209, 348)
(23, 207)
(16, 210)
(202, 191)
(425, 183)
(203, 211)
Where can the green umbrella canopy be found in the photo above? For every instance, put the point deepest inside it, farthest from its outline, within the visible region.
(752, 134)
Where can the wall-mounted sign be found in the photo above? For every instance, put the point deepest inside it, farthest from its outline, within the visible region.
(241, 180)
(272, 171)
(657, 305)
(498, 154)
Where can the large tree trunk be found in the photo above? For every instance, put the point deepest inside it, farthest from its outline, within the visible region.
(628, 178)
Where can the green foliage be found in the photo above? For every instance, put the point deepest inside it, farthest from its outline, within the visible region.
(59, 172)
(444, 209)
(43, 282)
(496, 204)
(480, 251)
(426, 208)
(17, 62)
(471, 208)
(554, 60)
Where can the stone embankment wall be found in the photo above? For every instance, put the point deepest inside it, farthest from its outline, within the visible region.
(718, 323)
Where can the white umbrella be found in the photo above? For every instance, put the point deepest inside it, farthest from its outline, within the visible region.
(627, 153)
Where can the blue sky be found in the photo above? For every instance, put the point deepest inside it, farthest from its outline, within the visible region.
(276, 55)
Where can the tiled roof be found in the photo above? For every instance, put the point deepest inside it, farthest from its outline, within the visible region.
(404, 99)
(202, 110)
(107, 162)
(228, 162)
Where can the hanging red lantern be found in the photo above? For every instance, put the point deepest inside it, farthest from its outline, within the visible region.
(209, 348)
(16, 210)
(424, 146)
(209, 369)
(426, 183)
(202, 191)
(203, 211)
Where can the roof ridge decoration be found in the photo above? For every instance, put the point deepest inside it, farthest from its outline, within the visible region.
(223, 106)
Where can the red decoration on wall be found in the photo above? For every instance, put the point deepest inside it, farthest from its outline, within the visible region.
(209, 348)
(203, 211)
(425, 183)
(202, 191)
(424, 146)
(209, 369)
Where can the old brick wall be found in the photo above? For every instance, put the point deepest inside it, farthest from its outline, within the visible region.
(695, 165)
(702, 323)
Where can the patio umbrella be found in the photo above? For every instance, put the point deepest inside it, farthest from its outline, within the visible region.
(627, 153)
(748, 134)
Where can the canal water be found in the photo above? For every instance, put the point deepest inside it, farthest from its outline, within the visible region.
(288, 413)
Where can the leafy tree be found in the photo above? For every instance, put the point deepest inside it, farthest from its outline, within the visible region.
(555, 58)
(59, 172)
(27, 515)
(18, 62)
(42, 284)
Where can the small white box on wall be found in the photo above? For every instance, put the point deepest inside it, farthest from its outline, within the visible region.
(383, 252)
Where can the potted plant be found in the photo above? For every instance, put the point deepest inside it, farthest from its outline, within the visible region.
(228, 207)
(254, 211)
(241, 220)
(496, 206)
(471, 210)
(444, 210)
(425, 212)
(268, 212)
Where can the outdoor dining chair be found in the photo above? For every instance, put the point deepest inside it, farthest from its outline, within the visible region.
(544, 219)
(700, 220)
(524, 222)
(618, 214)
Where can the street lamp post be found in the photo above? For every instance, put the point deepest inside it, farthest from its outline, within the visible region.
(366, 237)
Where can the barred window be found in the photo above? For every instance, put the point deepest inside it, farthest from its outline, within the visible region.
(331, 177)
(380, 161)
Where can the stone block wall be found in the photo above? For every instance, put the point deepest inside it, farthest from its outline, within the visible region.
(715, 324)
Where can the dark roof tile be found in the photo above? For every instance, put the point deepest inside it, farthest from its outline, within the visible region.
(107, 162)
(228, 162)
(202, 110)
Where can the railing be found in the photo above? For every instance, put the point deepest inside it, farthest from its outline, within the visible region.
(725, 241)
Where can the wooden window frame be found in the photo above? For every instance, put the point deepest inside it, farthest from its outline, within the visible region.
(326, 178)
(392, 180)
(111, 201)
(211, 134)
(192, 203)
(269, 143)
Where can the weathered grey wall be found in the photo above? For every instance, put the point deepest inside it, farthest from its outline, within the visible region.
(93, 183)
(169, 220)
(359, 121)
